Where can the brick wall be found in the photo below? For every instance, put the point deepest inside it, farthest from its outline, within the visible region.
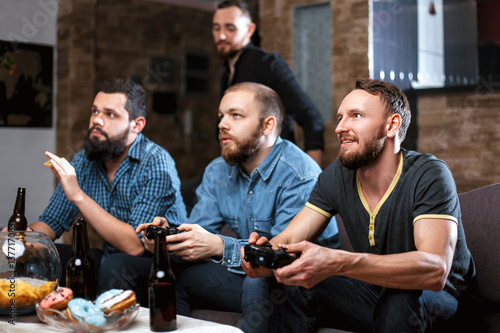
(349, 49)
(459, 127)
(99, 39)
(107, 38)
(75, 72)
(462, 129)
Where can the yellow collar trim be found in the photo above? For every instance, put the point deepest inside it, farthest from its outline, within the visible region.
(371, 227)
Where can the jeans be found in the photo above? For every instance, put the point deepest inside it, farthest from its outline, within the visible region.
(205, 284)
(358, 306)
(124, 271)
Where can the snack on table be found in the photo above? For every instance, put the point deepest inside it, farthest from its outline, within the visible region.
(23, 293)
(57, 300)
(81, 310)
(48, 164)
(115, 300)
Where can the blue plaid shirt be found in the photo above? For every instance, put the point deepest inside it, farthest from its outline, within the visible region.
(145, 185)
(264, 201)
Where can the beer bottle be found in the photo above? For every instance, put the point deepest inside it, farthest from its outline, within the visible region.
(18, 221)
(80, 275)
(162, 299)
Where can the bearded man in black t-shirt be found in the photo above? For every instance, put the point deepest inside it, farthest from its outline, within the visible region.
(402, 215)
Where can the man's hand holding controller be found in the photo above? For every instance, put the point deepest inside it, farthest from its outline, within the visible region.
(260, 255)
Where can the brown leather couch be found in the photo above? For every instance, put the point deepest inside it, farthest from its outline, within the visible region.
(481, 311)
(481, 219)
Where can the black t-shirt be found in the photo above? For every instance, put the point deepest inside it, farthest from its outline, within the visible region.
(422, 188)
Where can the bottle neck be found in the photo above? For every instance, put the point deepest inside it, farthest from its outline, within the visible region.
(18, 221)
(80, 243)
(20, 202)
(86, 238)
(160, 259)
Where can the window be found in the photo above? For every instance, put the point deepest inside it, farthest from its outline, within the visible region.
(421, 44)
(312, 52)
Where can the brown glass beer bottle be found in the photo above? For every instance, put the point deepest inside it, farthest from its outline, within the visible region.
(80, 275)
(162, 299)
(18, 221)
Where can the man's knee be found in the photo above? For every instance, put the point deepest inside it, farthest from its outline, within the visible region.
(399, 310)
(260, 299)
(115, 273)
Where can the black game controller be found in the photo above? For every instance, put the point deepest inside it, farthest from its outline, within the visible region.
(265, 256)
(167, 231)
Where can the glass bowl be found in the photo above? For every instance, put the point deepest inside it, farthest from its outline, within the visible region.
(116, 320)
(29, 270)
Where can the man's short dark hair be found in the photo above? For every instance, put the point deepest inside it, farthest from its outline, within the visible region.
(136, 97)
(393, 97)
(269, 103)
(237, 3)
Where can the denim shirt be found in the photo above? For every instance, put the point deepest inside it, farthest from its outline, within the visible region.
(264, 201)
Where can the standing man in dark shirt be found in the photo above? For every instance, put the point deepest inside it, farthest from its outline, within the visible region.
(232, 28)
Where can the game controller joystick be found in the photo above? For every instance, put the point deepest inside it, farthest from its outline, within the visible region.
(153, 229)
(265, 256)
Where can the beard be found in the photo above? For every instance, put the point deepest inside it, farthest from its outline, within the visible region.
(222, 53)
(243, 150)
(367, 155)
(107, 149)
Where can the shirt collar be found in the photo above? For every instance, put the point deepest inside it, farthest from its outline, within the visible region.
(248, 46)
(135, 150)
(265, 169)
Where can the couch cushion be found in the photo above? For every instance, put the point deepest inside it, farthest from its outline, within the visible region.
(481, 220)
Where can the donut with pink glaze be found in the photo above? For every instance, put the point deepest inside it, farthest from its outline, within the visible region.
(56, 300)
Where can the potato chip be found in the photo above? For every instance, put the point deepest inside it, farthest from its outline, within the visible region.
(48, 164)
(23, 293)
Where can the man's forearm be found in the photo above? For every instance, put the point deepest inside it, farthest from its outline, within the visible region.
(306, 225)
(44, 227)
(117, 233)
(412, 270)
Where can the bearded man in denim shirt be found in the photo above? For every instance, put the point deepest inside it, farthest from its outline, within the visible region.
(260, 183)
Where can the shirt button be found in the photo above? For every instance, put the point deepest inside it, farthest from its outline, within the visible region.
(228, 261)
(112, 209)
(370, 237)
(251, 192)
(370, 227)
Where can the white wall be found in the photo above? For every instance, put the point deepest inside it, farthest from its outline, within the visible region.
(22, 150)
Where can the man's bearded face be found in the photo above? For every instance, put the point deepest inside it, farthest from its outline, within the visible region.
(107, 149)
(367, 153)
(238, 151)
